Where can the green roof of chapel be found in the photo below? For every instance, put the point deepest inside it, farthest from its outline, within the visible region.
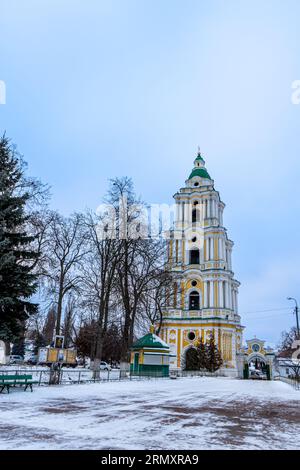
(150, 341)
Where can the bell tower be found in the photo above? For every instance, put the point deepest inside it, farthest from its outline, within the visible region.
(204, 299)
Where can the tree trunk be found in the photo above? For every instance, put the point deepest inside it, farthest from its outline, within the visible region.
(7, 351)
(59, 306)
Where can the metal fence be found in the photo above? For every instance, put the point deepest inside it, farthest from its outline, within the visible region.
(294, 381)
(66, 376)
(196, 373)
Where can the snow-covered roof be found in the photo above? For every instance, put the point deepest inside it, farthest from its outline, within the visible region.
(150, 341)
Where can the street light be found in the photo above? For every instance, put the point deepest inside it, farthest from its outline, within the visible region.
(296, 312)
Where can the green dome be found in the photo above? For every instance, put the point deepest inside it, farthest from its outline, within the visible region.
(199, 172)
(199, 158)
(150, 341)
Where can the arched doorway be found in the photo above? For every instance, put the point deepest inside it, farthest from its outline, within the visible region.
(191, 359)
(258, 367)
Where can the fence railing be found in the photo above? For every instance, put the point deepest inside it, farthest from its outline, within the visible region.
(294, 381)
(196, 373)
(66, 376)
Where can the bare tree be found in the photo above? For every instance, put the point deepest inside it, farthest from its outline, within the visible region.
(63, 253)
(49, 325)
(285, 346)
(160, 291)
(98, 275)
(141, 271)
(69, 319)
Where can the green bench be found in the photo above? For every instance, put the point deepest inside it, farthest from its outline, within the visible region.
(7, 381)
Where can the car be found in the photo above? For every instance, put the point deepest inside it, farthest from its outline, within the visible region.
(16, 359)
(257, 374)
(104, 366)
(32, 360)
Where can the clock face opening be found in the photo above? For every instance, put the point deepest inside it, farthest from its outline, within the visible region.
(255, 347)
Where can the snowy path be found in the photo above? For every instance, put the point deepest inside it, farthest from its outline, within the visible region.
(190, 413)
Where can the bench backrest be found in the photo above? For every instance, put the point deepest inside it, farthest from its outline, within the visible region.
(15, 377)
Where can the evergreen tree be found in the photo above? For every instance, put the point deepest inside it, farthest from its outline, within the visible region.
(201, 354)
(39, 342)
(17, 281)
(192, 359)
(19, 347)
(213, 356)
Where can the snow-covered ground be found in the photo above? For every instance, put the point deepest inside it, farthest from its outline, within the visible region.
(186, 413)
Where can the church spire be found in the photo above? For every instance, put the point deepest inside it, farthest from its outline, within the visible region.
(199, 167)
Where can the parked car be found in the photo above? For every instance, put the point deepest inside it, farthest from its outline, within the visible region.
(104, 366)
(257, 374)
(32, 360)
(15, 359)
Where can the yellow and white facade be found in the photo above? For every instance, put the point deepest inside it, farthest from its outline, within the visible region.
(204, 297)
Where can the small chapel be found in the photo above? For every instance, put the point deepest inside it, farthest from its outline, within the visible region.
(204, 297)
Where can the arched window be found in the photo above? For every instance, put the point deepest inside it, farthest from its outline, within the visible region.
(195, 215)
(194, 301)
(194, 257)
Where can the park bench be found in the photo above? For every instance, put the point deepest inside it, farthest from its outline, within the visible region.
(7, 381)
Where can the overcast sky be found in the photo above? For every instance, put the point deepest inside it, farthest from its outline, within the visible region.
(97, 89)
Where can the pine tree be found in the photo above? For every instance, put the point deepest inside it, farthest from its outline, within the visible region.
(213, 357)
(192, 359)
(17, 281)
(39, 342)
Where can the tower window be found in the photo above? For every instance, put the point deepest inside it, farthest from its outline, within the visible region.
(191, 335)
(195, 215)
(194, 257)
(194, 301)
(194, 283)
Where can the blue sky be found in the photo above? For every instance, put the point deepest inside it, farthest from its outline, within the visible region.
(97, 89)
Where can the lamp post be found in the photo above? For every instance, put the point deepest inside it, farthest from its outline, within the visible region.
(296, 312)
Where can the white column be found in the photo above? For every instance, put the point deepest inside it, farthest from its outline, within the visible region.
(205, 294)
(232, 299)
(187, 215)
(177, 212)
(228, 294)
(214, 208)
(211, 301)
(202, 206)
(220, 294)
(179, 251)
